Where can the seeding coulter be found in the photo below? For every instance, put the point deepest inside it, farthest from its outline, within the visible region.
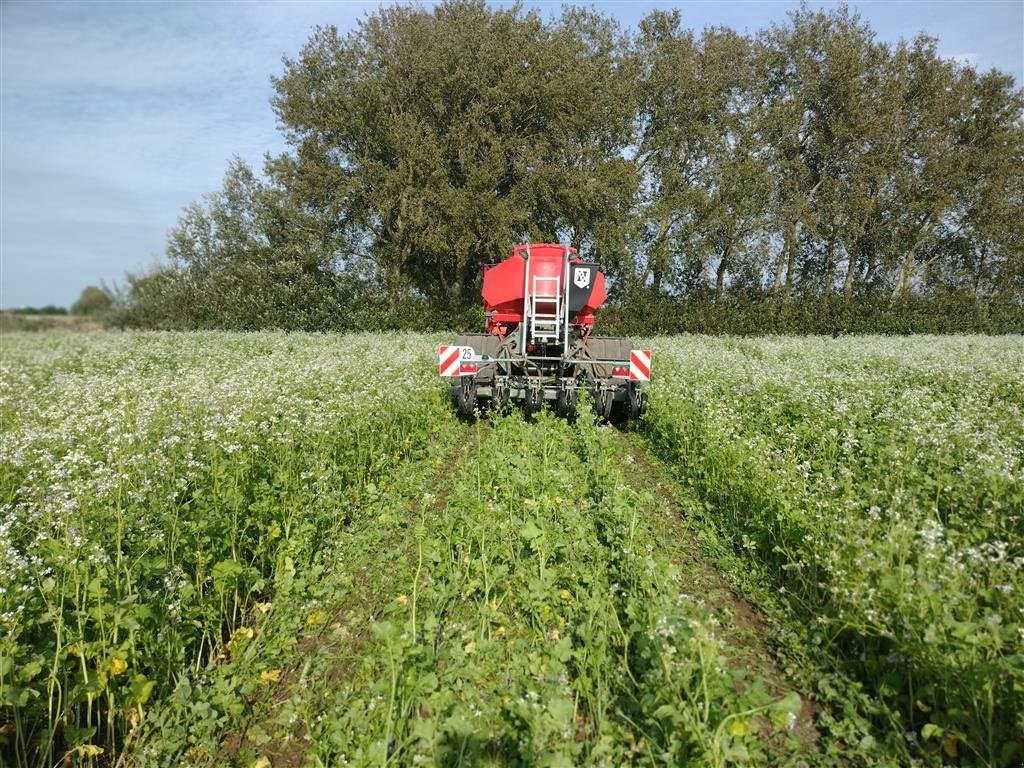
(539, 346)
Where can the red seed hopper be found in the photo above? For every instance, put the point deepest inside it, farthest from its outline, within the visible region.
(539, 344)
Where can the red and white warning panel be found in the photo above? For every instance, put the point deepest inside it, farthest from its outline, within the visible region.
(640, 364)
(455, 361)
(449, 359)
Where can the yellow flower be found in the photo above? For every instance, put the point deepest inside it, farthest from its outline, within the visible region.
(270, 675)
(950, 746)
(315, 619)
(565, 594)
(402, 599)
(739, 727)
(238, 634)
(264, 607)
(118, 666)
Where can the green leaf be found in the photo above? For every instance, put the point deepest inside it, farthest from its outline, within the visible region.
(15, 697)
(790, 703)
(75, 735)
(141, 689)
(530, 531)
(226, 573)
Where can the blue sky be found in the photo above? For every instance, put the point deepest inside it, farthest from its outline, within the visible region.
(113, 116)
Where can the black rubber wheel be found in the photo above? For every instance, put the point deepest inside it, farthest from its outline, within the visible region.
(465, 400)
(620, 414)
(533, 399)
(500, 400)
(603, 404)
(566, 404)
(638, 402)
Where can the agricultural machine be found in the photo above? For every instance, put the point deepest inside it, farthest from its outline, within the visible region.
(539, 347)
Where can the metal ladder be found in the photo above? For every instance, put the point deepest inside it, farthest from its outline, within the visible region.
(545, 326)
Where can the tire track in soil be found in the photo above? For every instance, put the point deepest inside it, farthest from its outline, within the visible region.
(346, 633)
(747, 631)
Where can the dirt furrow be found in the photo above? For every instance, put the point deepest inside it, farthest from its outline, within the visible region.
(747, 631)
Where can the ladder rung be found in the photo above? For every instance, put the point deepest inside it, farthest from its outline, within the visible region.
(545, 307)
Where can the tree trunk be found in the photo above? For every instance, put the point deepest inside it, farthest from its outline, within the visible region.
(851, 271)
(870, 256)
(902, 286)
(785, 256)
(979, 272)
(455, 293)
(907, 267)
(790, 264)
(658, 254)
(830, 266)
(656, 277)
(720, 274)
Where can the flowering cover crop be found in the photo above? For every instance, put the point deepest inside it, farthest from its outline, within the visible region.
(223, 548)
(279, 549)
(154, 487)
(881, 482)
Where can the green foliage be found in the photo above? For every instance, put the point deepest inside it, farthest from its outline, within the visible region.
(879, 482)
(230, 548)
(435, 136)
(757, 314)
(92, 301)
(186, 480)
(803, 162)
(49, 309)
(286, 543)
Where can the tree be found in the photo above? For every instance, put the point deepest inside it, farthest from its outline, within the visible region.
(704, 179)
(430, 140)
(930, 165)
(92, 301)
(806, 161)
(248, 258)
(826, 131)
(986, 247)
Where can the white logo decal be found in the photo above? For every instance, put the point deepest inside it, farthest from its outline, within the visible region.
(582, 277)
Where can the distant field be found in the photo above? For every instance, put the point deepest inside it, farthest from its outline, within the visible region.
(15, 321)
(285, 549)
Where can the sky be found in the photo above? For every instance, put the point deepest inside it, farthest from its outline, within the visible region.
(115, 115)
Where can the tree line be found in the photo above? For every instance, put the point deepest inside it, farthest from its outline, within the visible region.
(808, 167)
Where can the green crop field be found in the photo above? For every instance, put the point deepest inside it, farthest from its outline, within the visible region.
(286, 550)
